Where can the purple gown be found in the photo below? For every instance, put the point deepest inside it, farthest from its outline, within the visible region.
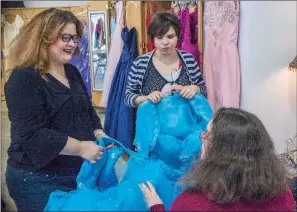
(81, 61)
(186, 35)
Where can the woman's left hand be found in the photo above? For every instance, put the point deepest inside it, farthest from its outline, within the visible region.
(189, 91)
(150, 195)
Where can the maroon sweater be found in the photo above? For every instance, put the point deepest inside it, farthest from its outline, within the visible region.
(190, 201)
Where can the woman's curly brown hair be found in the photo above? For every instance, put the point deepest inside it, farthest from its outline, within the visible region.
(240, 161)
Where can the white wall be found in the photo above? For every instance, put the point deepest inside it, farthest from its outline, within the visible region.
(267, 44)
(53, 3)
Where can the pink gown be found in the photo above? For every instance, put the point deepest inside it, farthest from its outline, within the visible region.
(221, 60)
(115, 51)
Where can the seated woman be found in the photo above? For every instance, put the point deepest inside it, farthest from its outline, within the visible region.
(238, 170)
(167, 140)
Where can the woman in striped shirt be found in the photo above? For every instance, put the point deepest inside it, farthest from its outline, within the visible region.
(157, 71)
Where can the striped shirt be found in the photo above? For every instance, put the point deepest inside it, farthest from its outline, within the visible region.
(139, 67)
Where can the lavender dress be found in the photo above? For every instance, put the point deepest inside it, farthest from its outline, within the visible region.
(81, 61)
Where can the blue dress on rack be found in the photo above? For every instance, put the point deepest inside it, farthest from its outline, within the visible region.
(169, 131)
(119, 118)
(81, 61)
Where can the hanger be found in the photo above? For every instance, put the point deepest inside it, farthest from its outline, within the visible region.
(81, 13)
(129, 3)
(125, 6)
(177, 4)
(113, 4)
(189, 2)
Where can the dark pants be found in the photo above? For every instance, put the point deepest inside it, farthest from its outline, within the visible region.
(30, 190)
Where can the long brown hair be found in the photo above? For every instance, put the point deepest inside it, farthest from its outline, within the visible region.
(240, 161)
(31, 46)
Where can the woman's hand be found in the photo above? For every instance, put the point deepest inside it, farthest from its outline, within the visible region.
(90, 151)
(140, 99)
(155, 96)
(150, 195)
(189, 91)
(99, 133)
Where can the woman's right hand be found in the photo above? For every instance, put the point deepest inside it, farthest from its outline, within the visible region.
(155, 96)
(90, 151)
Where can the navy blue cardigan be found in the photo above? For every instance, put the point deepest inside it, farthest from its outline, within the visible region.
(43, 113)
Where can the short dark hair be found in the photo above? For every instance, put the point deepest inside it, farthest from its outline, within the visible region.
(160, 24)
(240, 161)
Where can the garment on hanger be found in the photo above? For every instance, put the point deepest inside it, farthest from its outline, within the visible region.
(81, 61)
(2, 20)
(188, 31)
(221, 58)
(11, 30)
(186, 44)
(194, 26)
(194, 33)
(149, 15)
(167, 140)
(116, 46)
(119, 118)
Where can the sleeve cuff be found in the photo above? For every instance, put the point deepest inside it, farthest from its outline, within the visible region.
(132, 103)
(97, 125)
(203, 90)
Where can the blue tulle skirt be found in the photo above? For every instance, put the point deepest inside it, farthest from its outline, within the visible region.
(167, 141)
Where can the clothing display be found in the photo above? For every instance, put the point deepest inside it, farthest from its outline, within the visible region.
(114, 54)
(81, 61)
(53, 117)
(167, 140)
(119, 118)
(221, 59)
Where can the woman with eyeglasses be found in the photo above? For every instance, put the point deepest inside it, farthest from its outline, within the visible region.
(238, 170)
(52, 119)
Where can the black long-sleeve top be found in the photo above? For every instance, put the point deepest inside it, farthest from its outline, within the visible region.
(43, 113)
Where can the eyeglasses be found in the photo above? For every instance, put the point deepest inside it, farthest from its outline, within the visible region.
(204, 135)
(68, 37)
